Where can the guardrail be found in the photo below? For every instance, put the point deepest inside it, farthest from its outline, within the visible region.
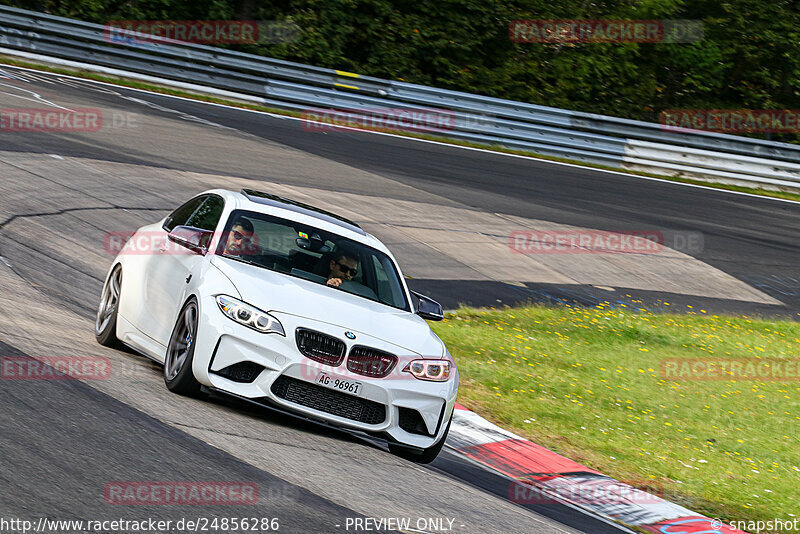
(621, 143)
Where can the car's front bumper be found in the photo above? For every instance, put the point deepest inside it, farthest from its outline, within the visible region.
(222, 343)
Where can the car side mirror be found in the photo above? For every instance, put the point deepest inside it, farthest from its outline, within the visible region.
(427, 308)
(195, 239)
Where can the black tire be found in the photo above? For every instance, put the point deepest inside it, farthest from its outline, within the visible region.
(424, 456)
(105, 324)
(178, 374)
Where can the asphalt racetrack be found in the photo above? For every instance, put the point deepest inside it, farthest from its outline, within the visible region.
(445, 211)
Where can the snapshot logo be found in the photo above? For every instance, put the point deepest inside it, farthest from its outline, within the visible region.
(731, 120)
(603, 242)
(55, 368)
(412, 120)
(150, 32)
(50, 120)
(573, 31)
(769, 525)
(766, 369)
(180, 493)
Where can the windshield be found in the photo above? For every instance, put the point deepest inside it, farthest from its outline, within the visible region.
(296, 249)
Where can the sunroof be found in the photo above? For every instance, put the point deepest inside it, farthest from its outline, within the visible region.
(299, 207)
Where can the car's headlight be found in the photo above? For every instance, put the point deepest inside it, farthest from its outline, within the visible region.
(435, 370)
(249, 316)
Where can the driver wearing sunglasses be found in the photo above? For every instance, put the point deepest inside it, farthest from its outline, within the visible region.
(240, 239)
(343, 268)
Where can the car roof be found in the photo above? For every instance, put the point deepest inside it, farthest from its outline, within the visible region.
(269, 199)
(286, 208)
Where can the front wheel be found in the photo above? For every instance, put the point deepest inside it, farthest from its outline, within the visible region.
(425, 456)
(178, 374)
(105, 325)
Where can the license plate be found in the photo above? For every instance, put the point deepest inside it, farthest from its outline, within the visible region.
(345, 386)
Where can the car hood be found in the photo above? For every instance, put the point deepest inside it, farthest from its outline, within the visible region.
(282, 293)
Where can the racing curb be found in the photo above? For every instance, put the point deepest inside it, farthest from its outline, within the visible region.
(547, 477)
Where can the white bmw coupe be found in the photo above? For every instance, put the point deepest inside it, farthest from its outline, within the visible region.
(286, 305)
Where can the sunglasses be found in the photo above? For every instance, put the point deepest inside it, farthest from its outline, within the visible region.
(347, 269)
(240, 236)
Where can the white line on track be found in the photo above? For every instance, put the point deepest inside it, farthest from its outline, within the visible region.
(286, 117)
(36, 96)
(13, 76)
(36, 77)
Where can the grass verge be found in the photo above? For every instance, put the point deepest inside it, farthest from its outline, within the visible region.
(126, 82)
(588, 383)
